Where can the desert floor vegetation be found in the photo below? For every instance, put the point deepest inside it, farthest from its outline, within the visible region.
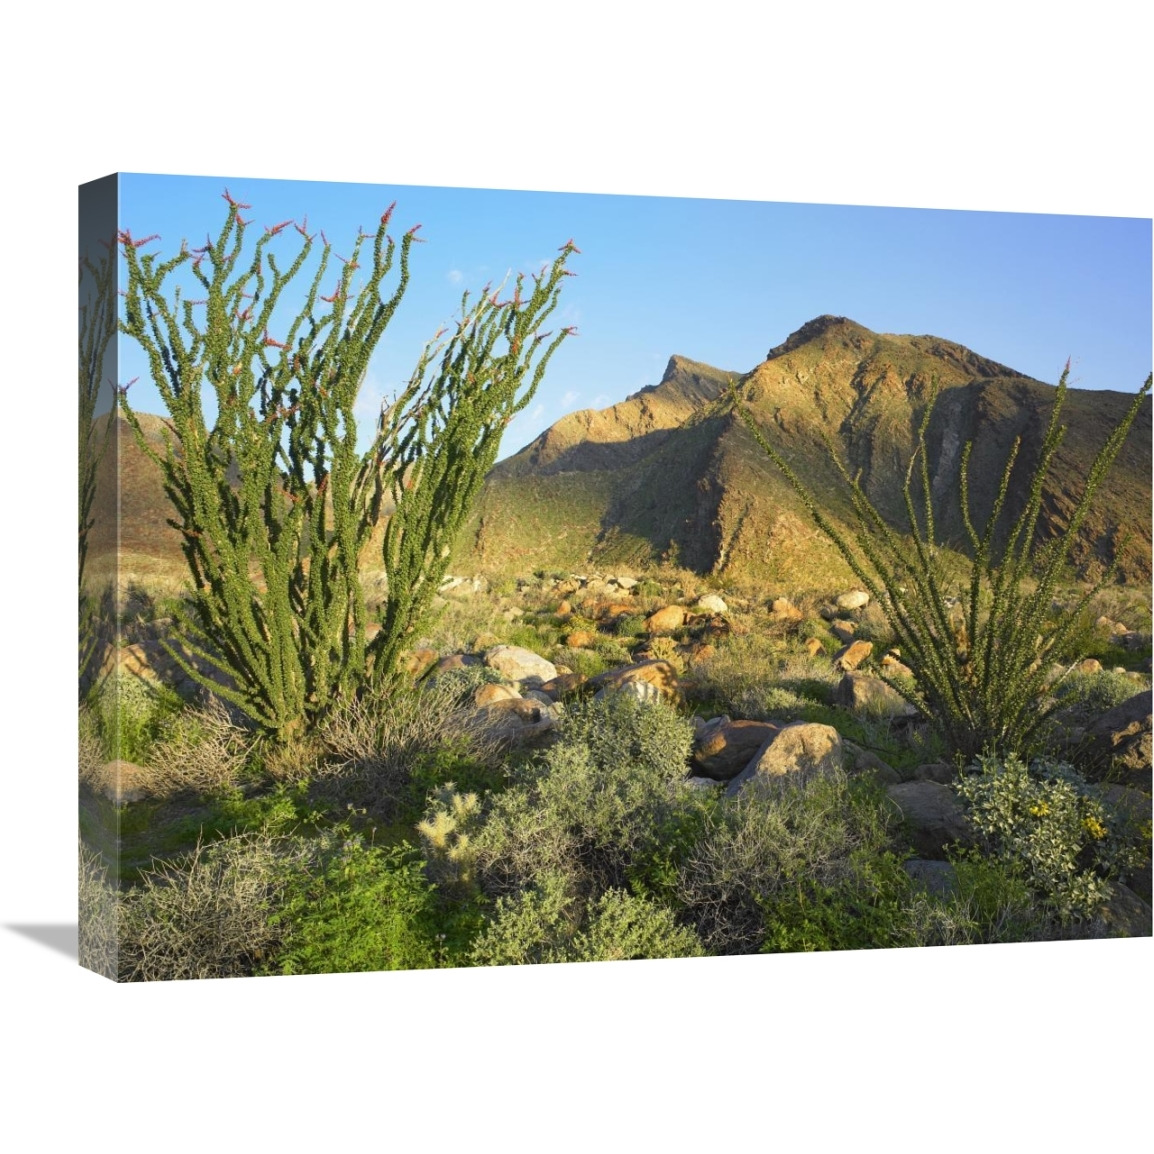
(417, 828)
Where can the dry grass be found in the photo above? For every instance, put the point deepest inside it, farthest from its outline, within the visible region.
(207, 916)
(97, 942)
(202, 750)
(370, 745)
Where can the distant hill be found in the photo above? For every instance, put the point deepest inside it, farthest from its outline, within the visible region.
(672, 473)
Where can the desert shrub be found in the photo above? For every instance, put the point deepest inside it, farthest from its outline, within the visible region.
(98, 911)
(647, 587)
(91, 747)
(611, 652)
(198, 749)
(532, 926)
(866, 908)
(1048, 824)
(546, 923)
(129, 713)
(589, 662)
(592, 802)
(208, 915)
(803, 835)
(623, 926)
(374, 744)
(980, 664)
(357, 908)
(1095, 693)
(629, 625)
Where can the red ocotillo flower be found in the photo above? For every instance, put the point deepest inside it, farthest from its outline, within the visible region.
(234, 203)
(277, 227)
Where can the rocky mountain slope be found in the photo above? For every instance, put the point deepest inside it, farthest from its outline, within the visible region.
(672, 472)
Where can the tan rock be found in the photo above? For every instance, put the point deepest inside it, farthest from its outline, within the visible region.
(658, 673)
(565, 609)
(418, 662)
(488, 694)
(665, 620)
(579, 639)
(812, 646)
(1089, 665)
(852, 655)
(855, 599)
(785, 610)
(804, 747)
(563, 684)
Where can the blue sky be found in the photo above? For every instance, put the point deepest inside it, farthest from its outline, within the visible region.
(719, 281)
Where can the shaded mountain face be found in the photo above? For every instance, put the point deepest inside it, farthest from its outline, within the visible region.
(671, 473)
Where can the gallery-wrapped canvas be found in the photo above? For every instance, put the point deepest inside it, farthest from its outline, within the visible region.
(462, 582)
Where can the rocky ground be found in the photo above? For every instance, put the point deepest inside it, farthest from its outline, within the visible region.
(774, 687)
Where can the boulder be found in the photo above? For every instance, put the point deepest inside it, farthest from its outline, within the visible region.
(655, 672)
(940, 771)
(934, 816)
(785, 610)
(855, 599)
(812, 646)
(456, 661)
(724, 750)
(1125, 914)
(563, 684)
(804, 747)
(1118, 744)
(843, 630)
(487, 694)
(519, 664)
(1089, 665)
(665, 620)
(565, 609)
(872, 696)
(711, 603)
(643, 691)
(862, 761)
(937, 878)
(852, 655)
(625, 583)
(579, 639)
(418, 662)
(612, 610)
(517, 720)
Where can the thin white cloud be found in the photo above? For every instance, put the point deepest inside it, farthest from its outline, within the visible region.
(455, 276)
(569, 398)
(601, 400)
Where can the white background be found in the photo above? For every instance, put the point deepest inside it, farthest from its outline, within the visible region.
(993, 106)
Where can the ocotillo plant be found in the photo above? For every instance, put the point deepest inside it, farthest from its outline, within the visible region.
(981, 674)
(274, 502)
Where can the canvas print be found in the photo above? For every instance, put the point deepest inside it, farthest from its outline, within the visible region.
(472, 577)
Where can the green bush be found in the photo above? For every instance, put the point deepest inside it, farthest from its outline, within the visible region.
(1095, 693)
(596, 797)
(806, 840)
(359, 908)
(546, 923)
(131, 713)
(1048, 824)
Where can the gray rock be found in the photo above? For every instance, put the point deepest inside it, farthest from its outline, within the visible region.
(711, 603)
(855, 599)
(1125, 914)
(934, 816)
(1118, 744)
(519, 664)
(939, 771)
(938, 878)
(862, 761)
(724, 750)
